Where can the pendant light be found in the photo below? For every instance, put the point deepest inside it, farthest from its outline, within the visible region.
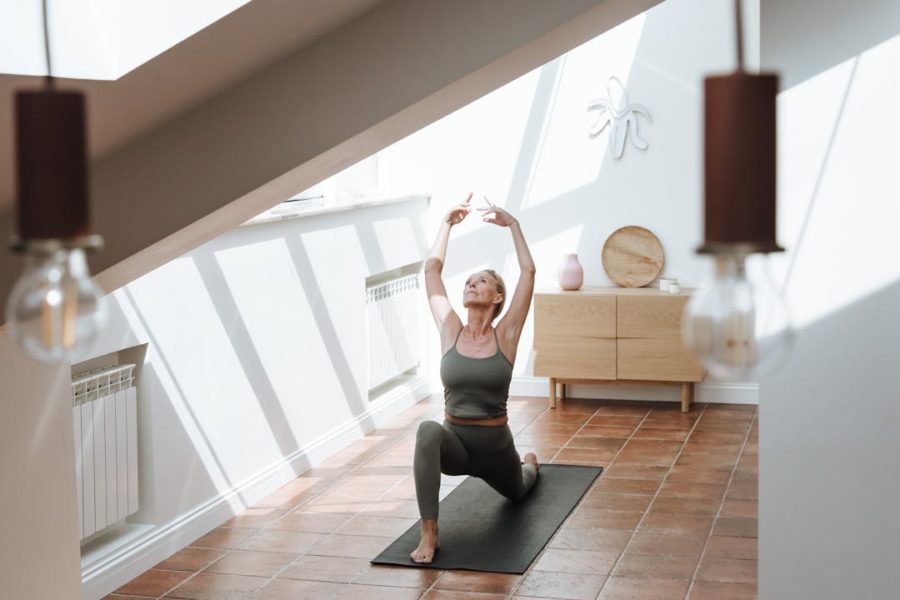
(737, 325)
(55, 309)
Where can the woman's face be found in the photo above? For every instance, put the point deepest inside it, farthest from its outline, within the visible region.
(480, 289)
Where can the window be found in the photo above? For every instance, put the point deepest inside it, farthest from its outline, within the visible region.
(354, 186)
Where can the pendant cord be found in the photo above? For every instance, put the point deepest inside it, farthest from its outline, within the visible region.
(47, 44)
(739, 34)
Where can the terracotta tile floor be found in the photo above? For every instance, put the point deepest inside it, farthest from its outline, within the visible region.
(673, 516)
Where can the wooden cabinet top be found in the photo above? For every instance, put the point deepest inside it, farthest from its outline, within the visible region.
(597, 290)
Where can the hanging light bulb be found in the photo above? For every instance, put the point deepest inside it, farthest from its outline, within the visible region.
(54, 310)
(737, 325)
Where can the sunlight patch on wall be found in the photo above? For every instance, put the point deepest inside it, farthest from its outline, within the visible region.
(397, 240)
(269, 297)
(337, 256)
(447, 157)
(177, 308)
(568, 158)
(173, 396)
(841, 198)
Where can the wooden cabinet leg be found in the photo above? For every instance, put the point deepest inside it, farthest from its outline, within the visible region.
(553, 392)
(687, 396)
(562, 395)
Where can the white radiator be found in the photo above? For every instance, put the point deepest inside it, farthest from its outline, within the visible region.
(104, 415)
(392, 314)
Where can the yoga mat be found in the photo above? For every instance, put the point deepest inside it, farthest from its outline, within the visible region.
(480, 530)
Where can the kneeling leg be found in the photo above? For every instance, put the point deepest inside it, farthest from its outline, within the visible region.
(437, 450)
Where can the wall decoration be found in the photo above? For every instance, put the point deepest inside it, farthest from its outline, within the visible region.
(620, 117)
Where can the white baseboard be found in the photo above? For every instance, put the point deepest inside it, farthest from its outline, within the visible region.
(712, 392)
(727, 393)
(107, 573)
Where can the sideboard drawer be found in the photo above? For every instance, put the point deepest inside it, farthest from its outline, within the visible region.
(583, 315)
(656, 316)
(575, 357)
(659, 359)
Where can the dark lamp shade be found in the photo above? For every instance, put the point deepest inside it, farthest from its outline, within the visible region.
(52, 169)
(740, 139)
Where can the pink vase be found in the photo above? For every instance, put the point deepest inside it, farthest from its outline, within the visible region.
(571, 275)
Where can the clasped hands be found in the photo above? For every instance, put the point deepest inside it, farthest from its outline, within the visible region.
(460, 211)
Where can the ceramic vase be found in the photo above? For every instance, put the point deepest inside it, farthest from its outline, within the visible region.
(571, 275)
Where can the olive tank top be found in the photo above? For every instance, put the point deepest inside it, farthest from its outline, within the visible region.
(475, 388)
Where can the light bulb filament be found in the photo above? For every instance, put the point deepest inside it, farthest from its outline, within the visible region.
(56, 310)
(50, 316)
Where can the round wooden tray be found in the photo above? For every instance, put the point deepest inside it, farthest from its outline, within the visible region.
(633, 256)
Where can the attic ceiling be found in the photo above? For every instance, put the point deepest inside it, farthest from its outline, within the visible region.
(210, 60)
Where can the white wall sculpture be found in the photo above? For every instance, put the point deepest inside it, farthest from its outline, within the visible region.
(620, 117)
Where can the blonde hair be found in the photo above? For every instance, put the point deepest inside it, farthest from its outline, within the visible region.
(501, 289)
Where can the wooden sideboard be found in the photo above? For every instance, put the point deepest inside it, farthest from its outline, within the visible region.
(608, 334)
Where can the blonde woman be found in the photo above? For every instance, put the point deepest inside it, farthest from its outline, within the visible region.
(476, 369)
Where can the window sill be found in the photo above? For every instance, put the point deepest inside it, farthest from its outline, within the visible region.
(286, 212)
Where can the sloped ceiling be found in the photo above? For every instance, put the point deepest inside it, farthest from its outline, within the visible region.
(279, 95)
(214, 58)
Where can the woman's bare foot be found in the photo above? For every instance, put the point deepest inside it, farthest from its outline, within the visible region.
(429, 543)
(531, 458)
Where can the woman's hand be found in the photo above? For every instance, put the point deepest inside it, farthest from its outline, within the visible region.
(459, 212)
(501, 217)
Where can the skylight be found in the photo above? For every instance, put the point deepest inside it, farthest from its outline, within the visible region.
(99, 39)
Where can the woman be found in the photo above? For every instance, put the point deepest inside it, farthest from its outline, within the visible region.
(476, 369)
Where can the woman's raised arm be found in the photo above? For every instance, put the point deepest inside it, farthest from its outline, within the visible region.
(446, 319)
(510, 326)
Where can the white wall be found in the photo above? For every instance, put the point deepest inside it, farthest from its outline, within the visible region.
(256, 352)
(38, 480)
(256, 355)
(829, 490)
(527, 147)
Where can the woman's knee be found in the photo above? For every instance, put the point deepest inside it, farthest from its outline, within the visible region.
(429, 434)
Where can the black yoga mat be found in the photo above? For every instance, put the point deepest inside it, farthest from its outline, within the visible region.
(480, 530)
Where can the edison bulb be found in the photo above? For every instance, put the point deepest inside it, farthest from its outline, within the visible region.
(737, 326)
(55, 309)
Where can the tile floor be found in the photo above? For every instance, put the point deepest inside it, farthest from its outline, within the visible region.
(673, 516)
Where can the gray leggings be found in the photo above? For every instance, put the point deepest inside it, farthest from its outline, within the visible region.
(484, 452)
